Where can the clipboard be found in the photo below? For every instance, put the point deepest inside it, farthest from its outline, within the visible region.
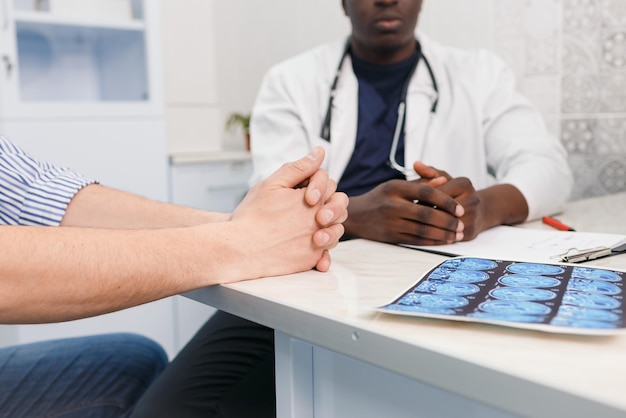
(574, 255)
(535, 245)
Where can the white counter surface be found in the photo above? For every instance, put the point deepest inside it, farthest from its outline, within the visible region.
(217, 156)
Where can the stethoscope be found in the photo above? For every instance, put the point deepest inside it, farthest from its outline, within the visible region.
(325, 132)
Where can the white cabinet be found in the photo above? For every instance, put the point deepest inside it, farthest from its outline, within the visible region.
(193, 113)
(61, 64)
(215, 182)
(81, 85)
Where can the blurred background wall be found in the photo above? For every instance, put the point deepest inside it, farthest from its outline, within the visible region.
(569, 57)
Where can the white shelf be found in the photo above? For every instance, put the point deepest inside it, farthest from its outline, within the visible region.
(50, 19)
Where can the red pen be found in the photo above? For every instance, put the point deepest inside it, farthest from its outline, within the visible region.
(555, 223)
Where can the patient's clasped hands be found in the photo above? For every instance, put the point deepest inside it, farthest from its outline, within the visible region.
(291, 219)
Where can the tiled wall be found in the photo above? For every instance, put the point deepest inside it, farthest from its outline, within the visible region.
(570, 60)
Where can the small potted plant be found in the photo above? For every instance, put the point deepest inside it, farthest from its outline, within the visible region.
(240, 121)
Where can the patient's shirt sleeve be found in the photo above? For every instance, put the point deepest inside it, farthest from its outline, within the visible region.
(34, 192)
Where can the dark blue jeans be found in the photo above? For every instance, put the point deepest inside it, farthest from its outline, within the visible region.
(96, 376)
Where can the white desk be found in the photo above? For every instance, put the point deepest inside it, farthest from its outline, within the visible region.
(337, 356)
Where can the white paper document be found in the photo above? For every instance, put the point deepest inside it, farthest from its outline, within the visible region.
(522, 244)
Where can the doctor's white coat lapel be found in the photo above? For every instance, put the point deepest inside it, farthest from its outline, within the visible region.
(418, 127)
(343, 124)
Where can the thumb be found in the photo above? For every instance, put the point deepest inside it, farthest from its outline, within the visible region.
(293, 173)
(425, 171)
(433, 175)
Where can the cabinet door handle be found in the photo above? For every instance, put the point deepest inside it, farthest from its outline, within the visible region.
(8, 66)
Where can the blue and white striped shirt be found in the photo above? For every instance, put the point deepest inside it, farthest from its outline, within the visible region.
(34, 192)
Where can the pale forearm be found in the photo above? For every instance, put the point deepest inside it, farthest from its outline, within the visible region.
(50, 274)
(56, 274)
(97, 206)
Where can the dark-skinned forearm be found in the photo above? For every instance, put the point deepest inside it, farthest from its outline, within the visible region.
(503, 204)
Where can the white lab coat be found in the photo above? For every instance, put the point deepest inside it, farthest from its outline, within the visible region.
(483, 129)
